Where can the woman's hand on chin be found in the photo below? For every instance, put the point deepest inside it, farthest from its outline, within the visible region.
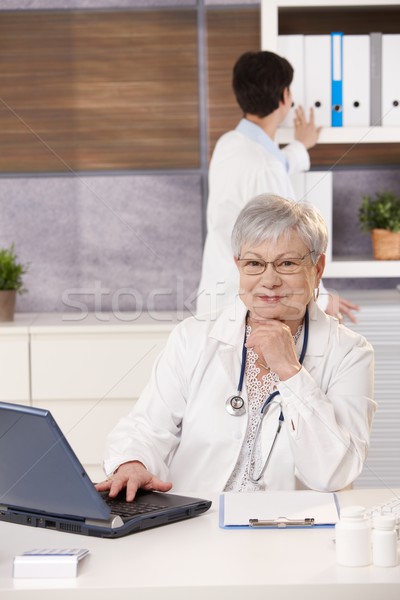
(273, 341)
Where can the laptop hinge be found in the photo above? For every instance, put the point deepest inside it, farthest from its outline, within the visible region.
(113, 522)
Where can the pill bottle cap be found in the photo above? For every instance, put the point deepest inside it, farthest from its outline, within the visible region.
(384, 522)
(353, 512)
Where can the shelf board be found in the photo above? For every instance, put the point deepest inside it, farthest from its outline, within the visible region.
(347, 135)
(323, 16)
(330, 3)
(362, 268)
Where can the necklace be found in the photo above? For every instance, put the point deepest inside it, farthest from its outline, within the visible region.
(266, 367)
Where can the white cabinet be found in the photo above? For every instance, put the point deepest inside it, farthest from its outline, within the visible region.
(87, 372)
(14, 360)
(90, 373)
(366, 12)
(73, 364)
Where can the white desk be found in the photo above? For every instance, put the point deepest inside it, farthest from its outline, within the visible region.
(196, 560)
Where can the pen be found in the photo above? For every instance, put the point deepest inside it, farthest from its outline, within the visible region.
(281, 522)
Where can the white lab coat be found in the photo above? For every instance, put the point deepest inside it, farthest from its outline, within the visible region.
(181, 431)
(240, 169)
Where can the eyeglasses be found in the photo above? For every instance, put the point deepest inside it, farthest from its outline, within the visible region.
(284, 266)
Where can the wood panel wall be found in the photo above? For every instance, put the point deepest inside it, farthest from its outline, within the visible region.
(98, 90)
(118, 90)
(229, 34)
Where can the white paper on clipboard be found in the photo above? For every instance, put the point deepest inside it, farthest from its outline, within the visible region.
(237, 509)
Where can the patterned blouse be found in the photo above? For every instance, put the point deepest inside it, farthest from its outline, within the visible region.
(257, 391)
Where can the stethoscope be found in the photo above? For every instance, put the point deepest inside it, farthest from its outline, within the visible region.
(235, 404)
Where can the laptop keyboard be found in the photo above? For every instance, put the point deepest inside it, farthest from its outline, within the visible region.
(391, 508)
(132, 509)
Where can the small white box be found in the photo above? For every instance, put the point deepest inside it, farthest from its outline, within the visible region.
(48, 562)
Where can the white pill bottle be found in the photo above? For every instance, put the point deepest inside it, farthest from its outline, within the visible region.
(353, 538)
(384, 541)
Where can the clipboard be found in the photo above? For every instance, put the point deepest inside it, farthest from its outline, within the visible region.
(278, 510)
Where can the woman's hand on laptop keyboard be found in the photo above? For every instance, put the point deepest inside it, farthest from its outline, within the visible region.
(132, 476)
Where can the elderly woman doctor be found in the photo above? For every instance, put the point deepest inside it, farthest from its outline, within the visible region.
(270, 394)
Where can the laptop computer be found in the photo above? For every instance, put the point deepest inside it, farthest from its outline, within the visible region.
(43, 484)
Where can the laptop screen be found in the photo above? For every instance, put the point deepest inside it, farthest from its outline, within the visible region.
(39, 470)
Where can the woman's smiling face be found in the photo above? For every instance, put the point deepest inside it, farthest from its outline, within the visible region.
(274, 295)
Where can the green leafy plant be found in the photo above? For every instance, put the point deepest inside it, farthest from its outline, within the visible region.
(11, 271)
(380, 212)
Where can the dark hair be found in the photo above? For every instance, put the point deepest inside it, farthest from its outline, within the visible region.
(259, 79)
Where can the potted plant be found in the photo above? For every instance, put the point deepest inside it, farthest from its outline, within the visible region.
(11, 282)
(381, 217)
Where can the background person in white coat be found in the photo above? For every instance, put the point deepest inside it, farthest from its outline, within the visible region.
(247, 162)
(186, 429)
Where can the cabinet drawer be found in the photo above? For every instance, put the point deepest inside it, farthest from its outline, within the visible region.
(91, 365)
(86, 424)
(14, 368)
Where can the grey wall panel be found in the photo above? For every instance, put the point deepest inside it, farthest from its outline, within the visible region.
(40, 216)
(107, 242)
(143, 234)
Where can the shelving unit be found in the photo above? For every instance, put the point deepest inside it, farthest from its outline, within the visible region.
(349, 135)
(364, 17)
(270, 13)
(358, 269)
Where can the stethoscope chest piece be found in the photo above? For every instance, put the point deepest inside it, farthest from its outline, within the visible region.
(235, 406)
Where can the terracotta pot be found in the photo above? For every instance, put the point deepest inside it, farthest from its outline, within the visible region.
(385, 244)
(7, 304)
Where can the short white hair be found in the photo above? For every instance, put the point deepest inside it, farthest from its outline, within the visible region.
(266, 218)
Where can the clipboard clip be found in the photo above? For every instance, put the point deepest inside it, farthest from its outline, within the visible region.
(282, 522)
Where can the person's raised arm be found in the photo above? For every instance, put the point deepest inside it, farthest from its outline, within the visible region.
(305, 131)
(341, 308)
